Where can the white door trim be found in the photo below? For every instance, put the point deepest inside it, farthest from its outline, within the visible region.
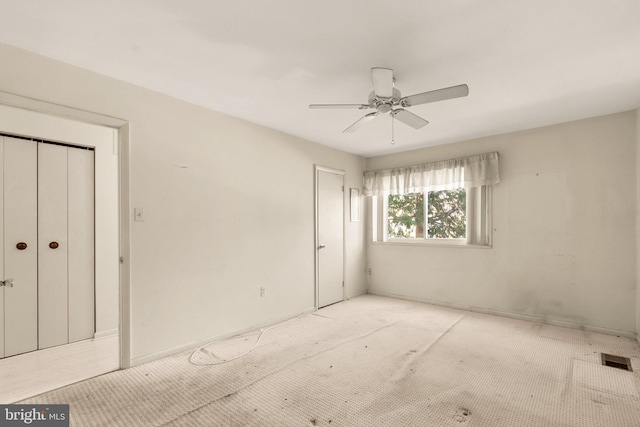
(121, 149)
(316, 243)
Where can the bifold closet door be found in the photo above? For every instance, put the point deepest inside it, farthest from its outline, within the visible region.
(52, 246)
(20, 207)
(65, 245)
(2, 276)
(81, 247)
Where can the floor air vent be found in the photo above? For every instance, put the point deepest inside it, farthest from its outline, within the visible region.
(616, 362)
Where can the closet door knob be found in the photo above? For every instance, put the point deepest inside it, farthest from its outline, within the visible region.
(53, 245)
(21, 246)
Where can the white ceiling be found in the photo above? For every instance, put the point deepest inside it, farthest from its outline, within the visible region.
(528, 63)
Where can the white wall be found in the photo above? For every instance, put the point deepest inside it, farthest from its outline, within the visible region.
(564, 218)
(228, 208)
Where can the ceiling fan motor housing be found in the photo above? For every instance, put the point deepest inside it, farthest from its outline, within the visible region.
(384, 104)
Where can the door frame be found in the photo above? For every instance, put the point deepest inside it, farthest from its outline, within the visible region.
(316, 171)
(121, 145)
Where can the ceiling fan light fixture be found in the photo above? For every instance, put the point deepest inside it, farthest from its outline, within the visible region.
(385, 96)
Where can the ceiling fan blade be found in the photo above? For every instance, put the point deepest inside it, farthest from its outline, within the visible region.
(382, 82)
(362, 121)
(410, 119)
(346, 106)
(435, 95)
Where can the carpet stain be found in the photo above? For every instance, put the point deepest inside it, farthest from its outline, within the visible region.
(462, 415)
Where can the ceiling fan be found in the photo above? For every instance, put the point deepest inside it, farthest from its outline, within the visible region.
(385, 98)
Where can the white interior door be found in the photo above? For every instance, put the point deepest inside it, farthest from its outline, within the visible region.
(81, 246)
(330, 236)
(52, 246)
(2, 276)
(33, 372)
(47, 214)
(65, 244)
(20, 246)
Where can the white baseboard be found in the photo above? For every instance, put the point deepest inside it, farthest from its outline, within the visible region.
(518, 316)
(194, 345)
(105, 334)
(355, 294)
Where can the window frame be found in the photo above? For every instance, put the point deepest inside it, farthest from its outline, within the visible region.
(478, 222)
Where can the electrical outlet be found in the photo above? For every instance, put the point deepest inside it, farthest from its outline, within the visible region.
(138, 214)
(263, 291)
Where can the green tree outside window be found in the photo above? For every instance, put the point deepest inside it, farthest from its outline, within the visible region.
(446, 215)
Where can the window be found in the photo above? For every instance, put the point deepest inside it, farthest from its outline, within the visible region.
(447, 214)
(405, 216)
(457, 216)
(442, 202)
(434, 215)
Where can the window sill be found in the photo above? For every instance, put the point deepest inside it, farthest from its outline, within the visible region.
(433, 243)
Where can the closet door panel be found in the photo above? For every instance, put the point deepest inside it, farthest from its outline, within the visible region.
(20, 226)
(52, 246)
(2, 277)
(81, 247)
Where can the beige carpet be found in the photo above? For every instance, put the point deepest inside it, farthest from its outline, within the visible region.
(375, 361)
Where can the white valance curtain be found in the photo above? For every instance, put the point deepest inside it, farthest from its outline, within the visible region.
(467, 172)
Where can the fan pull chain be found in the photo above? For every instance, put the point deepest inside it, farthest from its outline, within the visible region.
(393, 139)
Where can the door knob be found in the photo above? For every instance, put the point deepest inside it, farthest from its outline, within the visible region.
(21, 246)
(321, 247)
(53, 245)
(8, 282)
